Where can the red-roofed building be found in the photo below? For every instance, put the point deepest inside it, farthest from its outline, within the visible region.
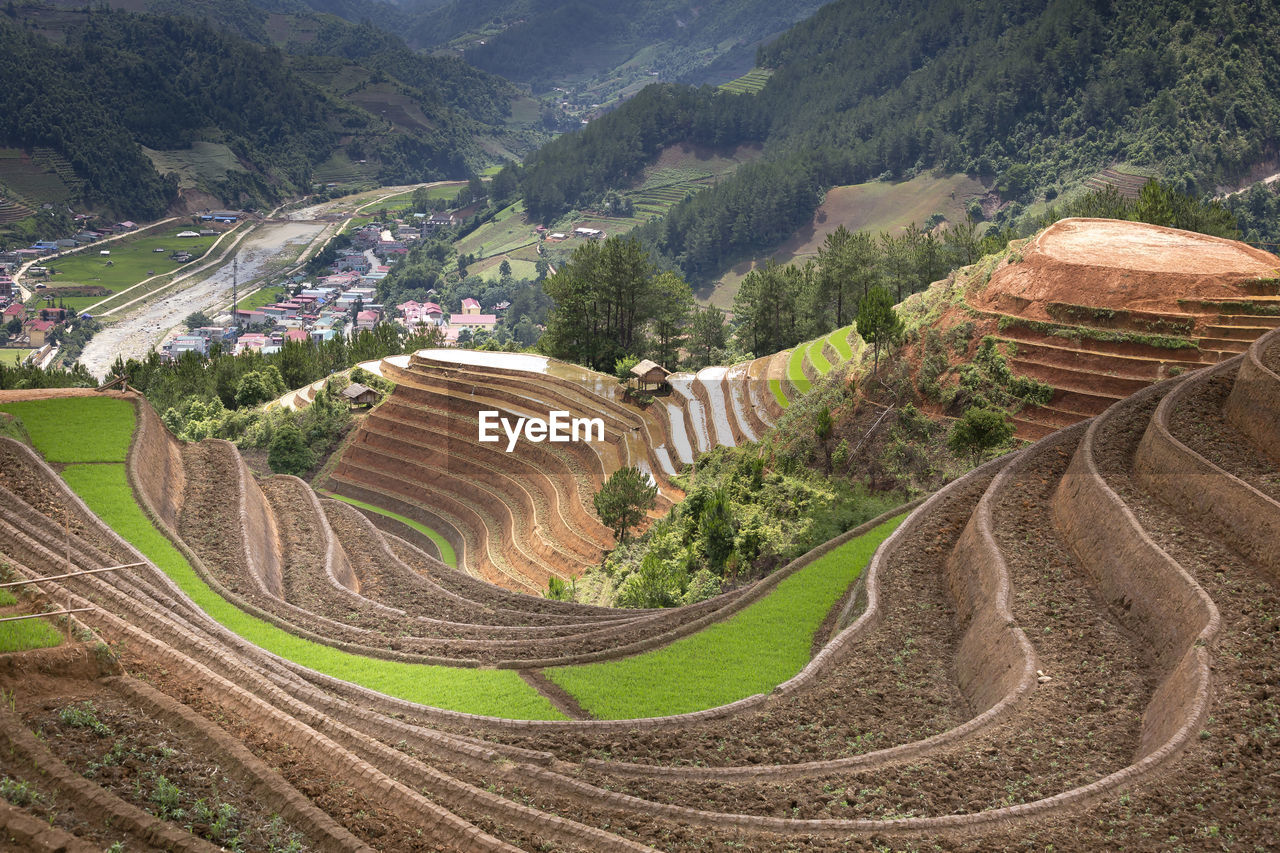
(39, 331)
(470, 306)
(295, 335)
(366, 319)
(15, 310)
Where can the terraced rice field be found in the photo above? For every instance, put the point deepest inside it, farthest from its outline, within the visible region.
(35, 181)
(812, 359)
(994, 677)
(750, 83)
(447, 555)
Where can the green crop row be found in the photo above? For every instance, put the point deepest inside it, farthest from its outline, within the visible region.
(818, 358)
(447, 555)
(752, 652)
(106, 490)
(795, 370)
(840, 340)
(775, 388)
(77, 429)
(97, 429)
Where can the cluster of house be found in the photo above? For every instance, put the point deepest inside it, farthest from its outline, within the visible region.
(343, 302)
(37, 326)
(581, 231)
(417, 315)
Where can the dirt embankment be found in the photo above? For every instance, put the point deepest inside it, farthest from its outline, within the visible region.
(1122, 265)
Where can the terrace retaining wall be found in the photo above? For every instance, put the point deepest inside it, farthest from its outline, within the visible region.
(1255, 399)
(1233, 510)
(1146, 590)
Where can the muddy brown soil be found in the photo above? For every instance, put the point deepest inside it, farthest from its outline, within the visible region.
(1271, 358)
(1199, 423)
(144, 762)
(358, 810)
(1228, 784)
(1073, 729)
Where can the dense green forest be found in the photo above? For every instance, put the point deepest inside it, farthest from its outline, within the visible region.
(540, 43)
(1035, 95)
(114, 81)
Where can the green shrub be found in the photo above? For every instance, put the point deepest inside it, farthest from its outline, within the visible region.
(289, 453)
(978, 431)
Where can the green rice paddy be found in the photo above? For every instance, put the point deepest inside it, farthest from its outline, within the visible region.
(795, 370)
(839, 339)
(26, 634)
(77, 429)
(751, 652)
(497, 692)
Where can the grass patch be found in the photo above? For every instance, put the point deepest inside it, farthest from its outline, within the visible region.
(77, 429)
(447, 555)
(28, 634)
(11, 426)
(839, 339)
(775, 387)
(795, 370)
(13, 355)
(105, 488)
(131, 259)
(752, 652)
(261, 297)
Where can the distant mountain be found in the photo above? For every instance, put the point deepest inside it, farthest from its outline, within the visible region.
(546, 42)
(1033, 94)
(278, 93)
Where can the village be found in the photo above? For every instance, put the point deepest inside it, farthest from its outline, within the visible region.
(342, 302)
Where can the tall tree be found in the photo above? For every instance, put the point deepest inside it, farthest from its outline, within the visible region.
(849, 264)
(624, 499)
(878, 323)
(671, 305)
(706, 336)
(602, 302)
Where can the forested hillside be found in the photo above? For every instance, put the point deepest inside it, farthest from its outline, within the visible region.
(95, 85)
(541, 43)
(1036, 94)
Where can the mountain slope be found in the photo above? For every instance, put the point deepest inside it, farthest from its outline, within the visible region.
(1036, 94)
(546, 43)
(93, 86)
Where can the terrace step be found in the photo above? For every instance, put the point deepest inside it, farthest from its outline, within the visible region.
(1230, 346)
(1123, 349)
(1079, 379)
(1241, 331)
(1080, 359)
(1260, 321)
(1031, 430)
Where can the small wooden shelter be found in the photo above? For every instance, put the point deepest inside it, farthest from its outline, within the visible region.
(359, 395)
(650, 373)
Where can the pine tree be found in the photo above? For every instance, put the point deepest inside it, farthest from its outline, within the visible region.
(878, 323)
